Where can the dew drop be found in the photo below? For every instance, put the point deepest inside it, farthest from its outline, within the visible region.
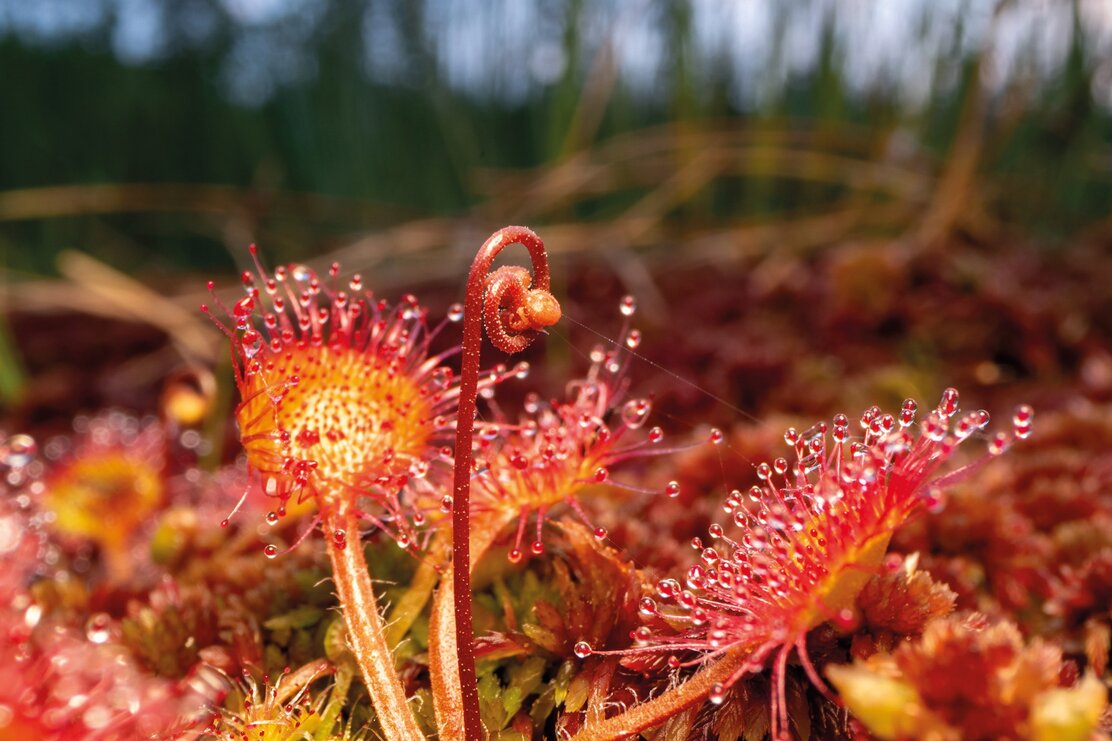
(537, 548)
(672, 489)
(300, 273)
(251, 342)
(647, 606)
(948, 405)
(845, 619)
(667, 588)
(514, 556)
(656, 435)
(716, 436)
(455, 312)
(98, 628)
(600, 533)
(243, 308)
(633, 339)
(272, 518)
(628, 307)
(601, 474)
(717, 694)
(224, 523)
(934, 428)
(446, 504)
(934, 501)
(270, 551)
(635, 412)
(18, 451)
(998, 444)
(1021, 420)
(582, 649)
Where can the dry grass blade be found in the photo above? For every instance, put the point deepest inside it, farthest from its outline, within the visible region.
(122, 296)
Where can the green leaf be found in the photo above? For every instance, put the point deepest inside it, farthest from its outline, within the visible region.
(299, 617)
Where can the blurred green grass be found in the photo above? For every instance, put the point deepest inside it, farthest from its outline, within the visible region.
(155, 167)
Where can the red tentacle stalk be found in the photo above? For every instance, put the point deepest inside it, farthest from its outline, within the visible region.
(514, 308)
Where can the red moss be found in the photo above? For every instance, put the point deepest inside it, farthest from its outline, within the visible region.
(898, 604)
(972, 680)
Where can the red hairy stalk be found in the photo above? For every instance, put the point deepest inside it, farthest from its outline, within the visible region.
(514, 307)
(365, 630)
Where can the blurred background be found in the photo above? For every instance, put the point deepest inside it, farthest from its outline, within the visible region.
(660, 147)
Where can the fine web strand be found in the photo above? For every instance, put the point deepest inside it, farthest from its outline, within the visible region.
(685, 381)
(621, 347)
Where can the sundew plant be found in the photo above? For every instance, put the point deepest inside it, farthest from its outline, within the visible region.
(408, 540)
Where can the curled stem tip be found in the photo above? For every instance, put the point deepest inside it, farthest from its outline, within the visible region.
(515, 306)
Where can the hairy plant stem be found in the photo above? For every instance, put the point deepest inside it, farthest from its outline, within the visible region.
(443, 663)
(365, 628)
(660, 708)
(511, 331)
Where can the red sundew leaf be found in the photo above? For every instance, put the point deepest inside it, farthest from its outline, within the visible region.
(561, 452)
(808, 538)
(342, 400)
